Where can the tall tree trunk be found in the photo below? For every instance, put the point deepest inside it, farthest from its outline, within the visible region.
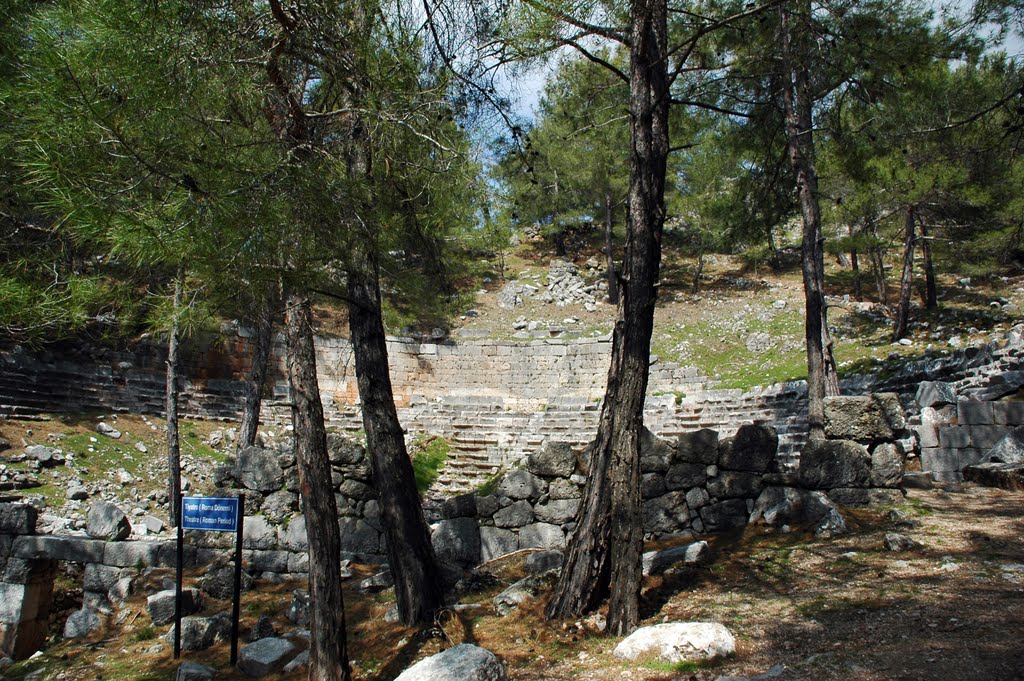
(613, 282)
(254, 382)
(931, 293)
(906, 277)
(604, 553)
(410, 553)
(821, 378)
(328, 655)
(858, 290)
(878, 266)
(173, 443)
(699, 271)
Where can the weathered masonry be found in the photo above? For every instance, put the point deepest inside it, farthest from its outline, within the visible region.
(498, 401)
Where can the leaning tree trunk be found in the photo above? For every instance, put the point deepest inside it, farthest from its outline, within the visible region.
(414, 567)
(821, 375)
(906, 278)
(604, 553)
(257, 376)
(328, 655)
(173, 443)
(931, 293)
(613, 282)
(858, 290)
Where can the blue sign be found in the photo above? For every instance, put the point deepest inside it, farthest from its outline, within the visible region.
(213, 514)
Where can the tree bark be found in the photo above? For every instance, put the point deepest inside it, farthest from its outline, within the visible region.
(858, 290)
(264, 327)
(173, 443)
(906, 277)
(410, 553)
(328, 655)
(821, 372)
(613, 282)
(931, 293)
(878, 265)
(604, 552)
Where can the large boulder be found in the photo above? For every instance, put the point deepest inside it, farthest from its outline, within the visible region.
(1002, 475)
(558, 511)
(678, 642)
(161, 604)
(496, 542)
(752, 449)
(666, 514)
(699, 446)
(258, 469)
(516, 514)
(200, 633)
(886, 465)
(864, 418)
(107, 521)
(655, 454)
(694, 553)
(344, 451)
(685, 475)
(521, 591)
(732, 484)
(464, 662)
(834, 463)
(541, 536)
(81, 623)
(457, 541)
(193, 671)
(553, 460)
(219, 582)
(264, 656)
(1010, 449)
(778, 506)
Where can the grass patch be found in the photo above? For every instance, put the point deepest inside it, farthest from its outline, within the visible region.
(681, 667)
(146, 633)
(429, 455)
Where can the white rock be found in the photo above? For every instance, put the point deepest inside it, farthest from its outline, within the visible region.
(464, 662)
(678, 642)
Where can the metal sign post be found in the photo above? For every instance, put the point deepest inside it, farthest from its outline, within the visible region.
(211, 514)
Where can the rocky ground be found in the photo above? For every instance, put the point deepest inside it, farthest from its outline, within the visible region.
(932, 589)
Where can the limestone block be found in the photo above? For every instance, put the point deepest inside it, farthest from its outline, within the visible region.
(517, 514)
(886, 465)
(1008, 413)
(457, 541)
(161, 604)
(99, 577)
(654, 448)
(935, 394)
(298, 562)
(860, 496)
(294, 538)
(753, 449)
(17, 519)
(359, 537)
(954, 437)
(258, 469)
(522, 484)
(834, 463)
(986, 437)
(724, 515)
(496, 542)
(866, 418)
(697, 497)
(133, 554)
(694, 553)
(699, 446)
(652, 485)
(974, 412)
(678, 642)
(939, 459)
(264, 656)
(266, 561)
(927, 434)
(731, 484)
(258, 534)
(561, 488)
(666, 514)
(685, 476)
(1010, 449)
(541, 536)
(558, 511)
(1008, 476)
(461, 506)
(464, 662)
(107, 521)
(554, 459)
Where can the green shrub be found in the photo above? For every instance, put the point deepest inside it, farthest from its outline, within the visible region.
(429, 454)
